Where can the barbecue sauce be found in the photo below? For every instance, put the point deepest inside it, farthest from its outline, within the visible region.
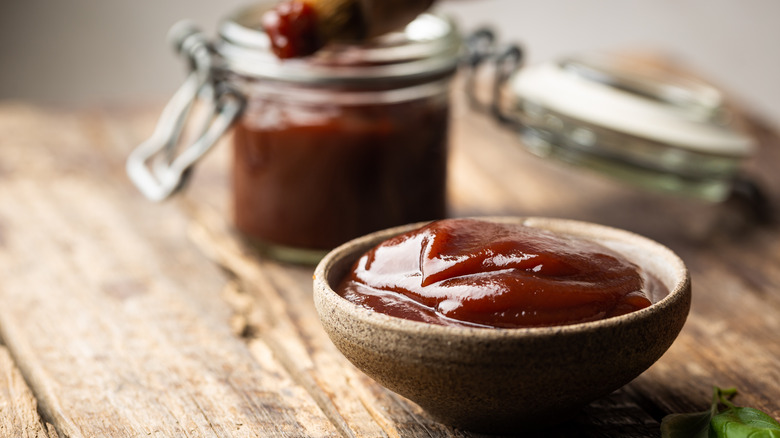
(468, 272)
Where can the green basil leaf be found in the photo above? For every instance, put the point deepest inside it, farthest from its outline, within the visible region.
(732, 422)
(736, 422)
(696, 425)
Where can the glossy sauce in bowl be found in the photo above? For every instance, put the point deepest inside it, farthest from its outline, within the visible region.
(469, 272)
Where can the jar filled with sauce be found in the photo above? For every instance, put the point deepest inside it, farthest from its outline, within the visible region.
(328, 147)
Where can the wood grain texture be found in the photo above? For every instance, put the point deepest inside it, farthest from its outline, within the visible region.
(129, 318)
(18, 407)
(112, 316)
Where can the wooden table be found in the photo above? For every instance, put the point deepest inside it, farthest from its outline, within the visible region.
(121, 317)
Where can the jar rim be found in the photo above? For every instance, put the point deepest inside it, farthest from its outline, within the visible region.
(429, 46)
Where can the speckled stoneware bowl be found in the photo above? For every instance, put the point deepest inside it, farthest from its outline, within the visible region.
(506, 380)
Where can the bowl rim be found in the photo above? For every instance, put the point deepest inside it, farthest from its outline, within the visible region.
(589, 230)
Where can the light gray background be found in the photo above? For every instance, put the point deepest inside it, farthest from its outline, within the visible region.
(91, 52)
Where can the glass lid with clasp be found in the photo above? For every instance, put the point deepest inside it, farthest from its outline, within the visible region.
(627, 116)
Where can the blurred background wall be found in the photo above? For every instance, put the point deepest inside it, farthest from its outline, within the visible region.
(91, 52)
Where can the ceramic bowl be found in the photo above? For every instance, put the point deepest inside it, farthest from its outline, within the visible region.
(506, 380)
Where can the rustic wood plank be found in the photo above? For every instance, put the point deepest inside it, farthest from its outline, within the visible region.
(113, 317)
(18, 408)
(98, 259)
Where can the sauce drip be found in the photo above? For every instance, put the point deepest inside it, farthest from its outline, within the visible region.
(292, 29)
(468, 272)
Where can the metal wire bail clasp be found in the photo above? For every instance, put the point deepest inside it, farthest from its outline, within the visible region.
(156, 166)
(482, 50)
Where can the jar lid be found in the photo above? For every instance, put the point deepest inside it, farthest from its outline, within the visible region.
(635, 99)
(428, 46)
(634, 119)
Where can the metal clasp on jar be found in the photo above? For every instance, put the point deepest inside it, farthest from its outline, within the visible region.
(159, 166)
(482, 50)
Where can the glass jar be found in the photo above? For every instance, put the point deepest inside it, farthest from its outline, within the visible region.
(637, 119)
(633, 120)
(329, 147)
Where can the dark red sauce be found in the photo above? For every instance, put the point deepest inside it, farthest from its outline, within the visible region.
(292, 29)
(315, 178)
(478, 273)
